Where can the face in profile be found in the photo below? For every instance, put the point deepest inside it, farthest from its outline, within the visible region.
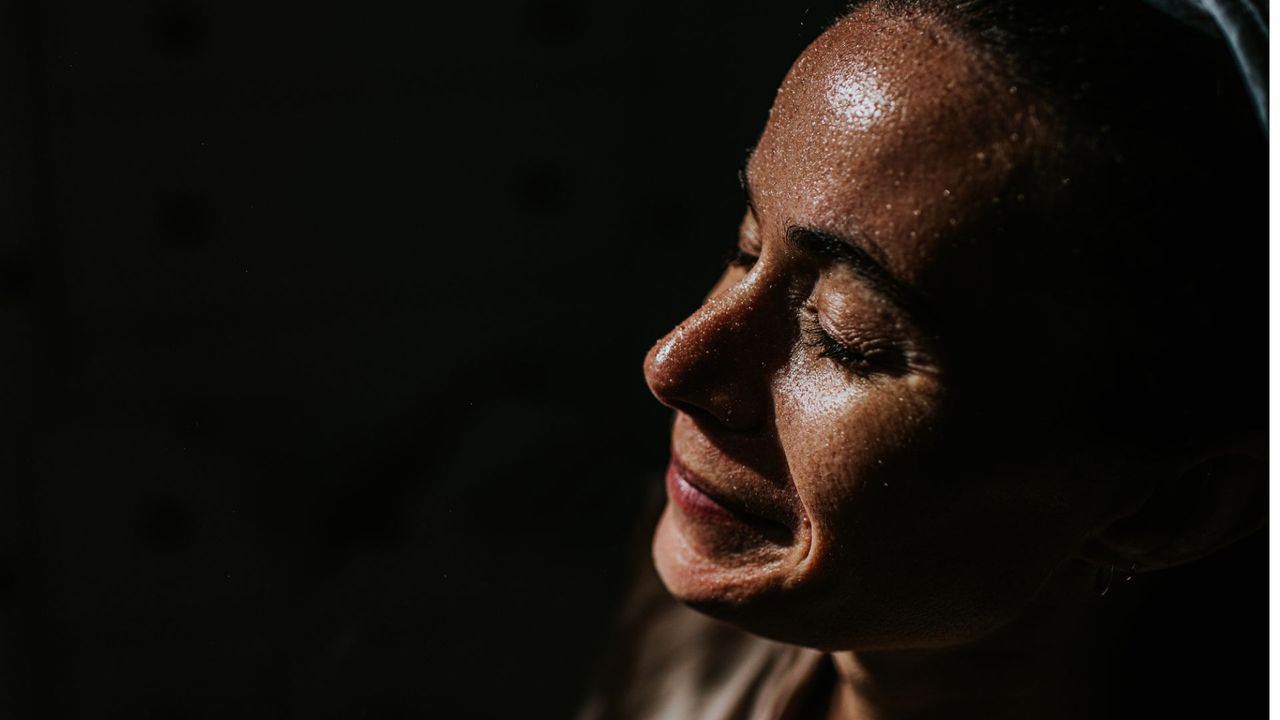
(878, 437)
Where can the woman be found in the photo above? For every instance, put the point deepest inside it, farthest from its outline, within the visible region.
(988, 348)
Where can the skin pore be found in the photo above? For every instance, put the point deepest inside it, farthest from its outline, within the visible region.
(883, 445)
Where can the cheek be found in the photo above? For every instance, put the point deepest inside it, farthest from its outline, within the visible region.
(916, 536)
(845, 437)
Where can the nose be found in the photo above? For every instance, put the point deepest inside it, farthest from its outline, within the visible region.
(716, 365)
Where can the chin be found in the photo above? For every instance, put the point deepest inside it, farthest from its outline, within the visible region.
(700, 567)
(781, 594)
(748, 585)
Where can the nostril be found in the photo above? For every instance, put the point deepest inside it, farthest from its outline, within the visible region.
(674, 386)
(695, 412)
(670, 394)
(709, 408)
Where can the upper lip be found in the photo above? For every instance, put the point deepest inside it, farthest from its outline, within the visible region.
(759, 501)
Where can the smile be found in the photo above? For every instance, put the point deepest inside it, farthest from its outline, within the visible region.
(690, 493)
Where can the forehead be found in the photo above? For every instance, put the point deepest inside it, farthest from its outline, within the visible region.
(892, 129)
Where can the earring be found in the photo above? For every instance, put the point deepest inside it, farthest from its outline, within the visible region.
(1107, 574)
(1102, 582)
(1128, 574)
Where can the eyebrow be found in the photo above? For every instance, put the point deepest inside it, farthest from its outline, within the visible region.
(846, 251)
(838, 248)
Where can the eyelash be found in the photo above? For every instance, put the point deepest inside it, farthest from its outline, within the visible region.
(829, 347)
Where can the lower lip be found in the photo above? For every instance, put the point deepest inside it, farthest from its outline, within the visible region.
(693, 501)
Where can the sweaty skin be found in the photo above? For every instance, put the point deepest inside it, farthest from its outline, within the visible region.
(984, 343)
(903, 496)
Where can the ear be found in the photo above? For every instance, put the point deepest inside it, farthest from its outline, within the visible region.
(1211, 503)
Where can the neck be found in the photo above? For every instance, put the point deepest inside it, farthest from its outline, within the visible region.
(1048, 663)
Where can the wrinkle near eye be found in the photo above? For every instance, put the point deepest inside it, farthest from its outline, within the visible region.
(852, 311)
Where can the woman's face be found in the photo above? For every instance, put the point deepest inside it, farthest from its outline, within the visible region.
(877, 440)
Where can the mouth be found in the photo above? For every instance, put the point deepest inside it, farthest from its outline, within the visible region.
(692, 494)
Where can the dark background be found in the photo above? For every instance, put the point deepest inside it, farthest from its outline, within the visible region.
(323, 393)
(326, 325)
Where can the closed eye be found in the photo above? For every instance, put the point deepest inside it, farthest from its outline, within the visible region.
(863, 360)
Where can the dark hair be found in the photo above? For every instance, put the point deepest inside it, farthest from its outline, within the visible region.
(1167, 206)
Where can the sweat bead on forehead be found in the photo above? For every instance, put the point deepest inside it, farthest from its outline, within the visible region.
(892, 128)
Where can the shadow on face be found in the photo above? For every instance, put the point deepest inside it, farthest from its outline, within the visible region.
(886, 432)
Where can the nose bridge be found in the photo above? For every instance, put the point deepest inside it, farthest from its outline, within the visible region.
(718, 361)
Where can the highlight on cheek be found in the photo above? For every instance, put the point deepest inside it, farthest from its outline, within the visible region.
(820, 398)
(858, 96)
